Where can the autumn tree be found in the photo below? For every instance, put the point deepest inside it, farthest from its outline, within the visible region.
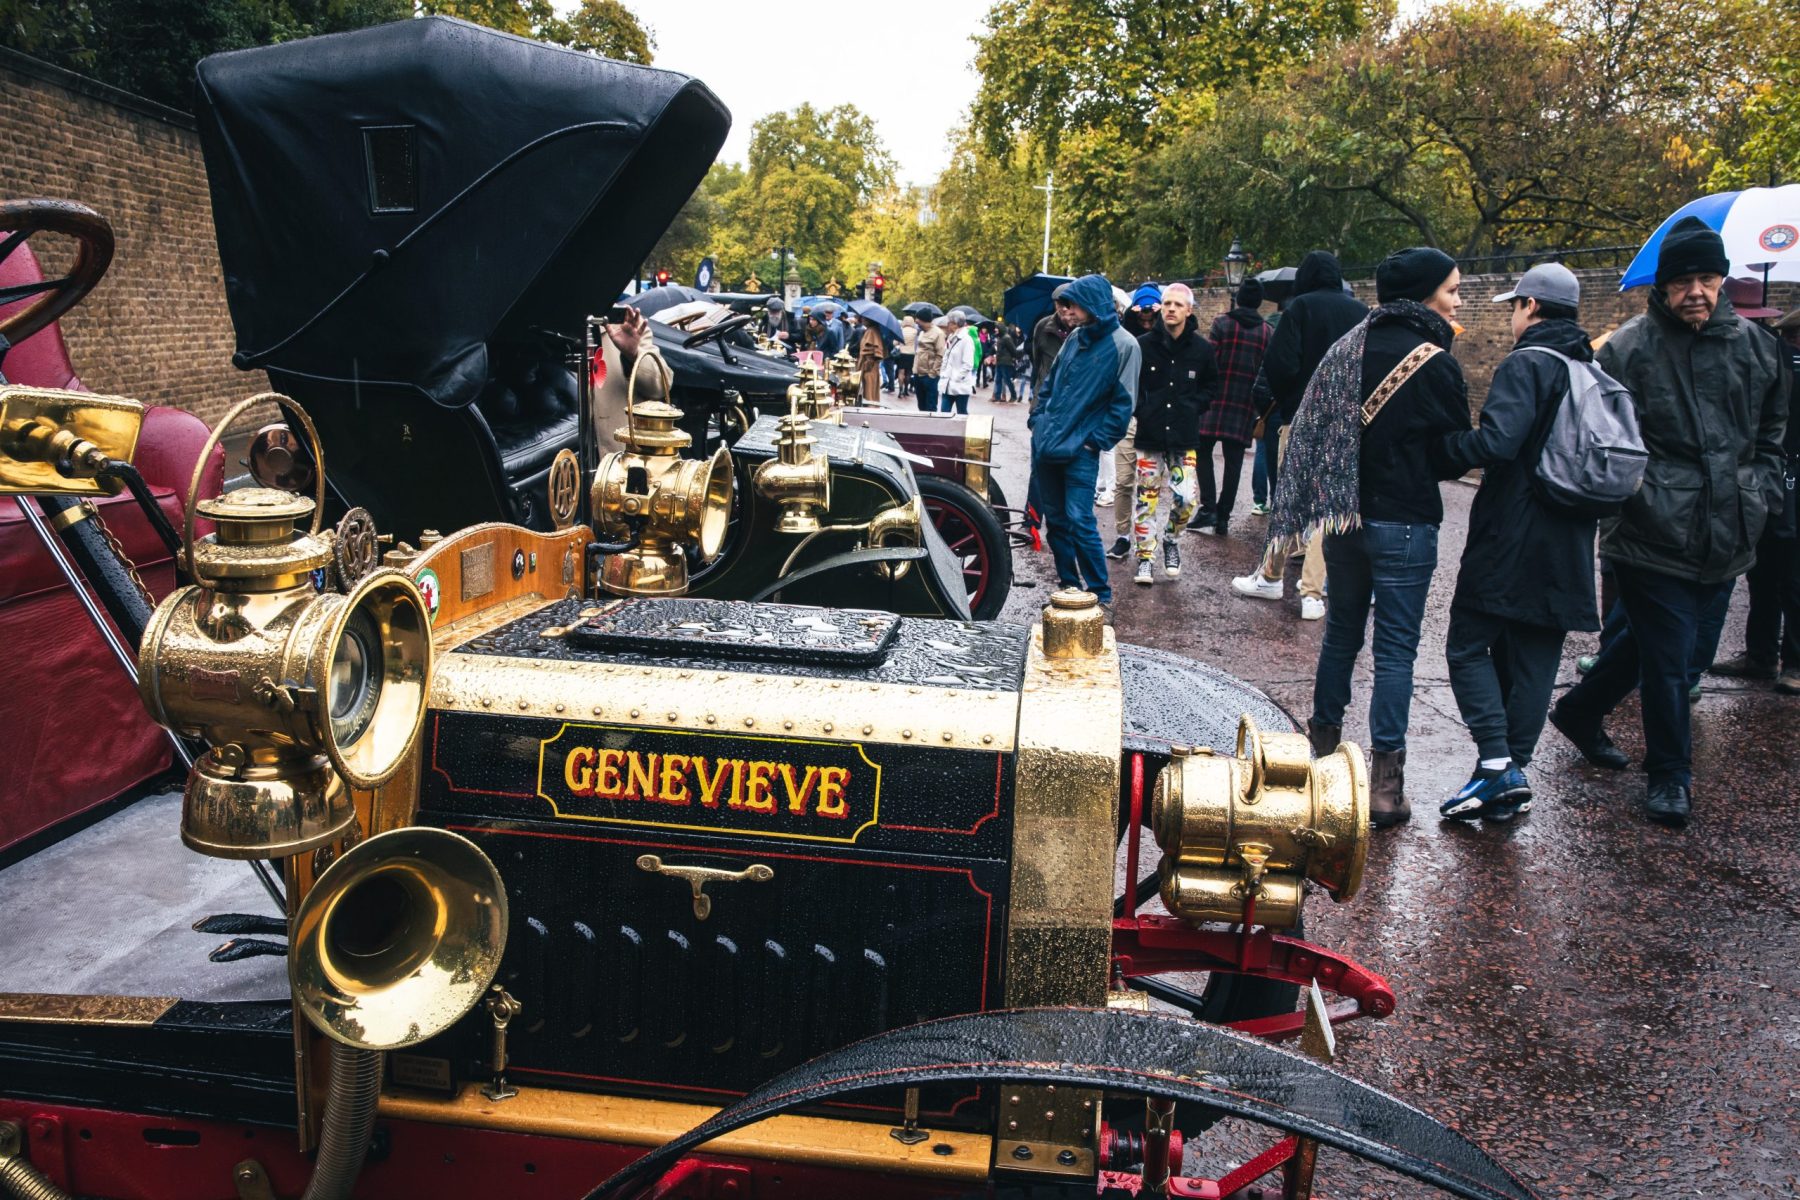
(808, 173)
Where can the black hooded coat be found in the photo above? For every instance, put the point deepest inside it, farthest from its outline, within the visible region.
(1523, 561)
(1319, 314)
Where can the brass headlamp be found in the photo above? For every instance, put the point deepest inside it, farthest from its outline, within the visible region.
(1250, 829)
(798, 478)
(296, 692)
(662, 501)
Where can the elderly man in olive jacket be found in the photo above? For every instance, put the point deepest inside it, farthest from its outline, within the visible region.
(1712, 397)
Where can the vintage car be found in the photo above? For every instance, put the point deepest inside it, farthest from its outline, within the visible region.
(590, 892)
(420, 272)
(722, 377)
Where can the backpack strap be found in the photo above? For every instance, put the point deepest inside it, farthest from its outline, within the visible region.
(1404, 370)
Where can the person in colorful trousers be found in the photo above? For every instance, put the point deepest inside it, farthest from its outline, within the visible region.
(1177, 382)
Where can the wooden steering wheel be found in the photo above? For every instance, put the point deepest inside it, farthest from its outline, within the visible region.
(19, 220)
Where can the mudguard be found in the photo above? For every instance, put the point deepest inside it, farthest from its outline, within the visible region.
(1154, 1054)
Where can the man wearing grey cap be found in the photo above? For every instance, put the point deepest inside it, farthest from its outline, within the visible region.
(1527, 574)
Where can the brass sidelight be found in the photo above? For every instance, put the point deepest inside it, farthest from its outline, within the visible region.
(659, 501)
(844, 376)
(798, 478)
(54, 442)
(297, 692)
(812, 395)
(1247, 830)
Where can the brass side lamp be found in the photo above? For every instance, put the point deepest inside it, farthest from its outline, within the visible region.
(844, 376)
(1248, 830)
(798, 478)
(296, 692)
(662, 502)
(812, 396)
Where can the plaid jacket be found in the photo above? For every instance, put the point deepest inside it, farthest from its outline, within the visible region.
(1240, 338)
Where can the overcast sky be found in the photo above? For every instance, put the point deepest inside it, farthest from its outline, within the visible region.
(909, 67)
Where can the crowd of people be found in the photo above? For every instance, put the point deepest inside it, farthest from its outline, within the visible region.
(1661, 449)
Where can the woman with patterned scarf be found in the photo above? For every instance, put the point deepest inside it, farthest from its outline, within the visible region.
(1363, 467)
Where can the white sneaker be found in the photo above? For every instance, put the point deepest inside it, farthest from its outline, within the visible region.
(1255, 586)
(1312, 608)
(1103, 499)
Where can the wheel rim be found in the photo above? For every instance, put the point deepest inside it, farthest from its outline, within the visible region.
(960, 535)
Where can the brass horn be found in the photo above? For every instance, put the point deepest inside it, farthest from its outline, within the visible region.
(398, 939)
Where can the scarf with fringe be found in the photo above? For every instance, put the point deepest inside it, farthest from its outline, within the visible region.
(1319, 487)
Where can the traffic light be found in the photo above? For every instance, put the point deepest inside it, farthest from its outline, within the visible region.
(662, 278)
(879, 283)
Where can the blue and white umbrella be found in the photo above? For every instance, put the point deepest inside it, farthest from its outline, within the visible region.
(1760, 226)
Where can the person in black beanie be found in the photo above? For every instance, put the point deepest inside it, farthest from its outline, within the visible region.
(1712, 399)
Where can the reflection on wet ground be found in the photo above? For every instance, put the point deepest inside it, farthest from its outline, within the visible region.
(1608, 1007)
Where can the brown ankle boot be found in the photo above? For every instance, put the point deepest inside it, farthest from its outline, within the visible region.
(1387, 788)
(1324, 738)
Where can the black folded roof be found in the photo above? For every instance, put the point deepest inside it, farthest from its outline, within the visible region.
(391, 201)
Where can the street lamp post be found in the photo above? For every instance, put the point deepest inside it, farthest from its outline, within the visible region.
(1048, 188)
(1236, 261)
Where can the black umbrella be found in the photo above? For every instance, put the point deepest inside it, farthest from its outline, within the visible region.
(923, 308)
(1277, 283)
(971, 315)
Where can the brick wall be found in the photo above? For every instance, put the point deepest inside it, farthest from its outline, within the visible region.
(156, 328)
(1487, 327)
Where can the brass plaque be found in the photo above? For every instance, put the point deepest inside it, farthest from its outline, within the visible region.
(477, 571)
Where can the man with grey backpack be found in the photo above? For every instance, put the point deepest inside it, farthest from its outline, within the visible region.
(1559, 447)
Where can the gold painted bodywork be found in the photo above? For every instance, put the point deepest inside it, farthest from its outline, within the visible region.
(631, 1121)
(52, 1009)
(978, 452)
(1059, 927)
(729, 701)
(40, 427)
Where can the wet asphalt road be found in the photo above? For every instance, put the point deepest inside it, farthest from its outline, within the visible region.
(1606, 1006)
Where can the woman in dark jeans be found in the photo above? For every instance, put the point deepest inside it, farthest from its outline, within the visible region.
(1387, 553)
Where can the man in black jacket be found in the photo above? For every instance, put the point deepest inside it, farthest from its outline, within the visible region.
(1527, 575)
(1711, 393)
(1319, 313)
(1176, 383)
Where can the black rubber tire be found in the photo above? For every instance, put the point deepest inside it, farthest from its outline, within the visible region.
(975, 537)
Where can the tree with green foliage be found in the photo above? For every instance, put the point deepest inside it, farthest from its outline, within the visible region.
(149, 47)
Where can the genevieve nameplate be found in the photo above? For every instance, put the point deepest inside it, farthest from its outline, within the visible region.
(728, 783)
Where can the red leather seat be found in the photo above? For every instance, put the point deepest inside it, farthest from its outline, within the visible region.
(75, 733)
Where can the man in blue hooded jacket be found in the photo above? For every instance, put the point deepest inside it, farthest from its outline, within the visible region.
(1084, 407)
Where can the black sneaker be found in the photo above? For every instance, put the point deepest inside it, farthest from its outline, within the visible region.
(1120, 548)
(1171, 559)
